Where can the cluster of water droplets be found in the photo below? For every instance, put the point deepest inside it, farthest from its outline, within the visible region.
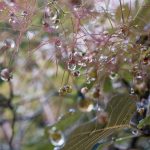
(66, 89)
(52, 15)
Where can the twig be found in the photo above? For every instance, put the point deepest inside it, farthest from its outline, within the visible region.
(10, 105)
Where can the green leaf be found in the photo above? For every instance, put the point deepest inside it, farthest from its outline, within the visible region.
(66, 120)
(120, 110)
(40, 144)
(107, 85)
(144, 122)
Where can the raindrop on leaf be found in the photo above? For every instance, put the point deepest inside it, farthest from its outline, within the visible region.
(85, 105)
(56, 137)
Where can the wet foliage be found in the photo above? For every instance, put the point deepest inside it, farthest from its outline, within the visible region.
(74, 75)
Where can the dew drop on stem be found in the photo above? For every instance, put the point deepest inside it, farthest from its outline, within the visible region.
(24, 13)
(58, 43)
(113, 76)
(135, 132)
(71, 65)
(12, 21)
(6, 74)
(9, 43)
(132, 91)
(68, 88)
(76, 73)
(62, 91)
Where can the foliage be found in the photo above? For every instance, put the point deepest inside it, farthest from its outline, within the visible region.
(74, 74)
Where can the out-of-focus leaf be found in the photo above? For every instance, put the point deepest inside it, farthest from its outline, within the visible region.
(120, 110)
(66, 120)
(144, 122)
(107, 85)
(142, 17)
(125, 10)
(39, 145)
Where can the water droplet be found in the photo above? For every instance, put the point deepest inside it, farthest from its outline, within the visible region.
(105, 32)
(84, 90)
(5, 74)
(68, 88)
(9, 2)
(76, 73)
(88, 80)
(102, 117)
(135, 132)
(72, 110)
(12, 21)
(141, 110)
(71, 65)
(24, 13)
(113, 139)
(145, 61)
(45, 24)
(9, 43)
(96, 93)
(82, 64)
(47, 12)
(57, 148)
(31, 34)
(85, 105)
(58, 43)
(103, 58)
(113, 76)
(56, 137)
(139, 77)
(132, 91)
(55, 26)
(62, 91)
(99, 109)
(57, 21)
(52, 13)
